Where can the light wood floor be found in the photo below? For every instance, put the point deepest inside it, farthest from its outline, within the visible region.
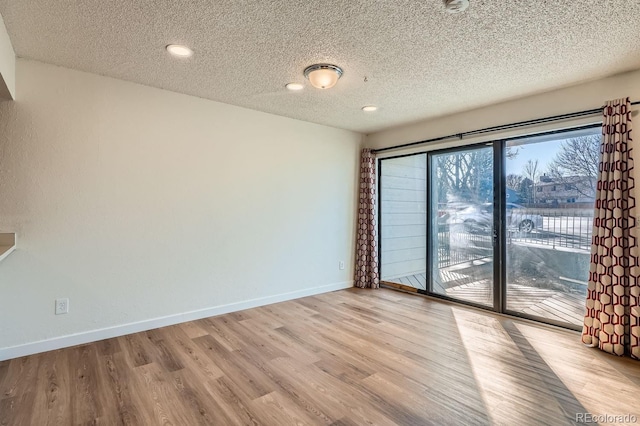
(351, 357)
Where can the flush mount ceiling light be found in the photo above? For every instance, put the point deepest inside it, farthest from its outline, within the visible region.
(294, 86)
(323, 76)
(179, 51)
(369, 108)
(456, 6)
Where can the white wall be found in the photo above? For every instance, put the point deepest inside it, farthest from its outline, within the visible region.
(138, 203)
(7, 65)
(576, 98)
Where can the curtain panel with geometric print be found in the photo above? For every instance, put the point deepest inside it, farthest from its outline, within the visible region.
(366, 273)
(612, 320)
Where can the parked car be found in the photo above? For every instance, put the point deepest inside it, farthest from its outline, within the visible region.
(478, 218)
(518, 217)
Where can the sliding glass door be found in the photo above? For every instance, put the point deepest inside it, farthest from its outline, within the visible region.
(462, 225)
(504, 225)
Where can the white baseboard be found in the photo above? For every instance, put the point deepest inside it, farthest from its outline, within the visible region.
(135, 327)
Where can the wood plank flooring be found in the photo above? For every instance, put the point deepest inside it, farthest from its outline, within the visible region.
(351, 357)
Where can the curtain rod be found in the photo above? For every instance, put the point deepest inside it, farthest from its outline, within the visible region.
(501, 127)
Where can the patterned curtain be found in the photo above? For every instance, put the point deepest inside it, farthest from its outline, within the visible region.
(367, 241)
(612, 321)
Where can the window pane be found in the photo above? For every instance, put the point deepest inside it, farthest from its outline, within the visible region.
(550, 199)
(462, 231)
(403, 194)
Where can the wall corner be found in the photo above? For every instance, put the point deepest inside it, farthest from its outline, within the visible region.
(7, 65)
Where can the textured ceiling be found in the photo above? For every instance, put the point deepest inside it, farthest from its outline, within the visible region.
(419, 61)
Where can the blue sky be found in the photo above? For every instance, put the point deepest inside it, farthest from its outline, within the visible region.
(543, 151)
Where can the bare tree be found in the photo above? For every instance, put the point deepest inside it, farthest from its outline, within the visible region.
(576, 164)
(514, 181)
(531, 172)
(467, 175)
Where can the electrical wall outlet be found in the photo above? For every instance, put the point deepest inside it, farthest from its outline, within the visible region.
(341, 265)
(62, 306)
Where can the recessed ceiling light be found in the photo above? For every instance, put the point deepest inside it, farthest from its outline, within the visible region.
(456, 6)
(369, 108)
(294, 86)
(179, 50)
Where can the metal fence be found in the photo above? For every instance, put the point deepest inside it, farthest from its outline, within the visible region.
(558, 228)
(567, 228)
(456, 245)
